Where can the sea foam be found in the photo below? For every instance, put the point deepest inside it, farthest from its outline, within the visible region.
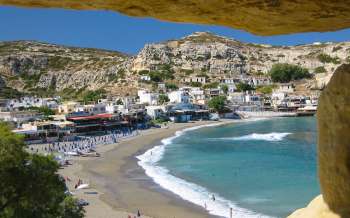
(272, 137)
(186, 190)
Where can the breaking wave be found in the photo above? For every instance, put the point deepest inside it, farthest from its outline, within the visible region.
(272, 137)
(189, 191)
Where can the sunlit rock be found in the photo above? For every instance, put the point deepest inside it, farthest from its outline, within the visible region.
(316, 209)
(334, 142)
(263, 17)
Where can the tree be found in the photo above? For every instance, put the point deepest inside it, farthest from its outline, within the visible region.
(91, 96)
(119, 102)
(265, 89)
(29, 184)
(46, 111)
(287, 72)
(171, 86)
(71, 209)
(196, 84)
(242, 87)
(163, 99)
(155, 76)
(212, 85)
(217, 103)
(224, 88)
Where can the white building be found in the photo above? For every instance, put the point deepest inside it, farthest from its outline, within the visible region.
(92, 108)
(145, 78)
(179, 97)
(197, 95)
(253, 99)
(261, 81)
(236, 97)
(146, 97)
(26, 102)
(285, 88)
(19, 117)
(155, 111)
(68, 107)
(200, 79)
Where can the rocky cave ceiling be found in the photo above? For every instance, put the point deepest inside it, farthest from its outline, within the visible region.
(262, 17)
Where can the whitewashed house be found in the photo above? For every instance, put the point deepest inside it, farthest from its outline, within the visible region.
(200, 79)
(146, 97)
(145, 78)
(68, 107)
(92, 108)
(197, 96)
(179, 96)
(155, 111)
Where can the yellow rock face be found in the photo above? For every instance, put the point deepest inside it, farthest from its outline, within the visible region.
(263, 17)
(334, 142)
(316, 209)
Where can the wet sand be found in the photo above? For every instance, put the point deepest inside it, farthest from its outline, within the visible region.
(122, 185)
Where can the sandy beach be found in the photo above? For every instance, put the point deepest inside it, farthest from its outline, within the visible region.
(119, 187)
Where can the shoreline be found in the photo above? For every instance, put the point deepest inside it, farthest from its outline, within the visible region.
(122, 185)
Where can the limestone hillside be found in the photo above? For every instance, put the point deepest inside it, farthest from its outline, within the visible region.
(41, 68)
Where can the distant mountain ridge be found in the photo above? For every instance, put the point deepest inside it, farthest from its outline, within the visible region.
(37, 67)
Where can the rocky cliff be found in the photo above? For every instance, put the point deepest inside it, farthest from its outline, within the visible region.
(44, 68)
(35, 67)
(220, 56)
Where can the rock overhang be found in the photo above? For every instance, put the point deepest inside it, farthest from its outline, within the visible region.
(261, 17)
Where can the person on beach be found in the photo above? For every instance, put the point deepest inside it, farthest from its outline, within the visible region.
(138, 213)
(213, 197)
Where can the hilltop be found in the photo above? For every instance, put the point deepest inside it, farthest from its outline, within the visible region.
(42, 68)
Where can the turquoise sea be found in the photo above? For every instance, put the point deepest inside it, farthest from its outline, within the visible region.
(261, 168)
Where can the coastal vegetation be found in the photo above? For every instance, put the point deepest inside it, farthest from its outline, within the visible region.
(29, 184)
(163, 99)
(325, 58)
(8, 92)
(171, 86)
(224, 88)
(93, 96)
(217, 103)
(242, 87)
(320, 69)
(212, 85)
(266, 89)
(285, 73)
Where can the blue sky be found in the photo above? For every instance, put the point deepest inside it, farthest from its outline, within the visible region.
(113, 31)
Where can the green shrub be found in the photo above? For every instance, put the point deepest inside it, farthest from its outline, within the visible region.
(156, 76)
(325, 58)
(212, 85)
(242, 87)
(217, 103)
(336, 48)
(91, 96)
(320, 69)
(8, 92)
(195, 84)
(187, 72)
(266, 89)
(163, 99)
(287, 72)
(171, 86)
(224, 88)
